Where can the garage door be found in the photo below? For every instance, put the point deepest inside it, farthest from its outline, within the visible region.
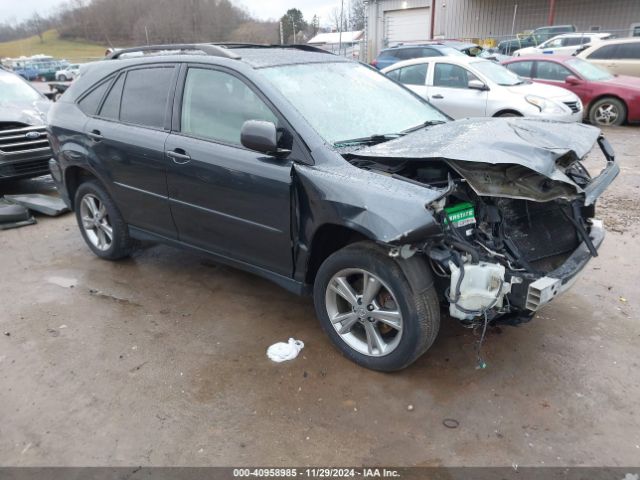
(407, 26)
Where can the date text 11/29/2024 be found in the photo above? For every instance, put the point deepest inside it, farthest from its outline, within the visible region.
(315, 472)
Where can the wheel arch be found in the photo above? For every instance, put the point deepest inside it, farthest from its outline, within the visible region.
(74, 176)
(507, 110)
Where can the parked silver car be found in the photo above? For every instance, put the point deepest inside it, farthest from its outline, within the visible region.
(472, 87)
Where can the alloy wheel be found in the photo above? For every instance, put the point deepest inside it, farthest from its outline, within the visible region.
(95, 222)
(606, 114)
(364, 312)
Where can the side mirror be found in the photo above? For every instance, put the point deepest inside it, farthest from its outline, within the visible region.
(259, 136)
(477, 85)
(572, 80)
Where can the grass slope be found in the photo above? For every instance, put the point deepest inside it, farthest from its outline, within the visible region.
(52, 45)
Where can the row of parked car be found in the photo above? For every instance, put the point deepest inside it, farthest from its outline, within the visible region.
(464, 80)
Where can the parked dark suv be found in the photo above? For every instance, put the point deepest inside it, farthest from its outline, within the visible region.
(326, 177)
(24, 148)
(389, 56)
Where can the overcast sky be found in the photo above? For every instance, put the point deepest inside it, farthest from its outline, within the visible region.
(16, 10)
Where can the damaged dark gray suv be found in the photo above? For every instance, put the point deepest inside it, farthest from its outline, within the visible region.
(328, 178)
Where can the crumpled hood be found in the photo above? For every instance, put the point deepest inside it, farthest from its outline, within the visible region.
(536, 144)
(34, 114)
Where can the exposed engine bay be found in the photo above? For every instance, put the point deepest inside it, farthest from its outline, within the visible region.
(513, 236)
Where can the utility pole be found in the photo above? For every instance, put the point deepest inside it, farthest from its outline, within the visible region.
(293, 23)
(281, 34)
(341, 25)
(146, 33)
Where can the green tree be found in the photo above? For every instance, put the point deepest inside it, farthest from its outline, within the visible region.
(292, 23)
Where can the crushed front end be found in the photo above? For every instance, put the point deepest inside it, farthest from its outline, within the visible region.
(516, 215)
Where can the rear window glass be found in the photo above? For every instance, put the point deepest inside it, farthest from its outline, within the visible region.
(413, 75)
(144, 99)
(90, 103)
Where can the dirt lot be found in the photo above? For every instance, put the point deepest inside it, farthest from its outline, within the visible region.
(160, 360)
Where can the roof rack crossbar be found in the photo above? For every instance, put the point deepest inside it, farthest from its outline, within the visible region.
(207, 48)
(297, 46)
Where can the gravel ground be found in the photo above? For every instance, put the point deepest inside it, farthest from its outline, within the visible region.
(160, 360)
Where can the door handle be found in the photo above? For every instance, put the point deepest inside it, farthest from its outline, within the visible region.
(95, 135)
(179, 156)
(437, 97)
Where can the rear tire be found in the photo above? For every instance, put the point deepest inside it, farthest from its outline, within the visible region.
(100, 222)
(406, 319)
(508, 114)
(607, 112)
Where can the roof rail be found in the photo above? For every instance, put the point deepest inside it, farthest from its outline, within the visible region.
(297, 46)
(215, 50)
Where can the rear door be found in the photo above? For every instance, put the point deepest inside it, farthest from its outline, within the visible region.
(225, 198)
(127, 138)
(448, 89)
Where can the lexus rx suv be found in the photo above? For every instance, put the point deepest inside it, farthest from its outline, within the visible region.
(328, 178)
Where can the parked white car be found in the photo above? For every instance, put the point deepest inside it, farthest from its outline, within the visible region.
(565, 44)
(471, 87)
(69, 73)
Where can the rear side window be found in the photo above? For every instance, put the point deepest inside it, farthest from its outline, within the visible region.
(551, 71)
(144, 99)
(521, 68)
(413, 75)
(628, 51)
(603, 53)
(111, 106)
(90, 103)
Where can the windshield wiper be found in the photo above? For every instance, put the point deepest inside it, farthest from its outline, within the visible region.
(376, 138)
(428, 123)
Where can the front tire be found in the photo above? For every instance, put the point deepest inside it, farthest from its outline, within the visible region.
(100, 222)
(370, 310)
(607, 112)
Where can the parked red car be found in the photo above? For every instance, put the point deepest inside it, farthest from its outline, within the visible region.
(608, 99)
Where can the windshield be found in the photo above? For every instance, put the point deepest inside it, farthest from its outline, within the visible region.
(497, 73)
(589, 71)
(344, 101)
(15, 90)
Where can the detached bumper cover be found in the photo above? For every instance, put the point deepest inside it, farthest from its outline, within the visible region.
(545, 289)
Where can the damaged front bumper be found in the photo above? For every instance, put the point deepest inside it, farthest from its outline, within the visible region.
(533, 295)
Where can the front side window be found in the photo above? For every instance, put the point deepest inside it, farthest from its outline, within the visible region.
(345, 100)
(451, 76)
(552, 71)
(145, 95)
(522, 69)
(215, 106)
(557, 43)
(413, 75)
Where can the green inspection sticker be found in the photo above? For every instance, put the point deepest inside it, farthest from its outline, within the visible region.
(460, 214)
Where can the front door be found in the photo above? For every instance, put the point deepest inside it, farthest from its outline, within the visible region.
(449, 91)
(225, 198)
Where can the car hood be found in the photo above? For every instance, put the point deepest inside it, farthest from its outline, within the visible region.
(542, 90)
(34, 114)
(543, 146)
